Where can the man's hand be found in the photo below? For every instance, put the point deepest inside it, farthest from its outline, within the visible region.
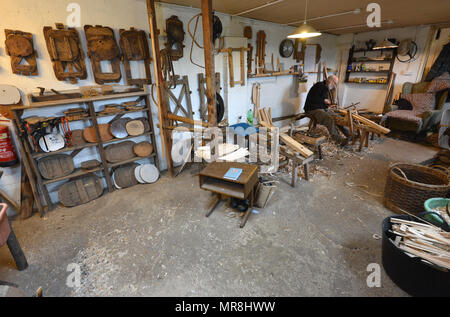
(333, 106)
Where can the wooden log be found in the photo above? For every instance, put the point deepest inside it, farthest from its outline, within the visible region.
(188, 121)
(207, 19)
(159, 80)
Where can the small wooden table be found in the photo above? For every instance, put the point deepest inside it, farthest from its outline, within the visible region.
(211, 179)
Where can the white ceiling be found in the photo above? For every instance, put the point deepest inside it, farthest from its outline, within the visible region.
(402, 12)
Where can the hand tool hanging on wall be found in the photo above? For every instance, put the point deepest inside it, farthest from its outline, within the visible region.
(230, 51)
(20, 46)
(217, 32)
(299, 56)
(168, 71)
(134, 45)
(248, 33)
(66, 53)
(175, 37)
(102, 46)
(261, 52)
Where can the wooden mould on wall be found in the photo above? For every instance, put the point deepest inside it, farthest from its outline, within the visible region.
(102, 46)
(175, 37)
(20, 46)
(134, 45)
(66, 53)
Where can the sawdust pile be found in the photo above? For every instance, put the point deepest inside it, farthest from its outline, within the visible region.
(330, 151)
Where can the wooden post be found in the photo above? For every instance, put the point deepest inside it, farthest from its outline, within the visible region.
(160, 85)
(207, 18)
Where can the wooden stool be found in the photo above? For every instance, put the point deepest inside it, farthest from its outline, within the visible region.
(297, 161)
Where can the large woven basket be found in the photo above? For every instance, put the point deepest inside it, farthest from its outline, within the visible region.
(409, 186)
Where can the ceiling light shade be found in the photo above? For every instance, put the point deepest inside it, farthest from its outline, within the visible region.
(303, 32)
(385, 44)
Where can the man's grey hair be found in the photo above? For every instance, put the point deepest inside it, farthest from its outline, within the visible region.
(332, 78)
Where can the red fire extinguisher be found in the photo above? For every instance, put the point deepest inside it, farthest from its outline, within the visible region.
(8, 156)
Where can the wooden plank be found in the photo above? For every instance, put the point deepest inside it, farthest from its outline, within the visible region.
(159, 81)
(63, 102)
(187, 120)
(101, 150)
(295, 146)
(207, 20)
(26, 196)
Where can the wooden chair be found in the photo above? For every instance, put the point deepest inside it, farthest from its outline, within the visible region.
(8, 237)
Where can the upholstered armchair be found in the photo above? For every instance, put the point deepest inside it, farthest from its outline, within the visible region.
(428, 101)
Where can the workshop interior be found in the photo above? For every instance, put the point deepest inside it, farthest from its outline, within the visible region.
(215, 149)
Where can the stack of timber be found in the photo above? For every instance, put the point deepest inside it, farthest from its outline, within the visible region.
(427, 242)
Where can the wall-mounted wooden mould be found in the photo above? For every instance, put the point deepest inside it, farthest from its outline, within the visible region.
(20, 46)
(175, 37)
(102, 46)
(261, 52)
(66, 53)
(134, 45)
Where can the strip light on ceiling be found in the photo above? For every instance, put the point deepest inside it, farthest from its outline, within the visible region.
(355, 26)
(356, 11)
(258, 8)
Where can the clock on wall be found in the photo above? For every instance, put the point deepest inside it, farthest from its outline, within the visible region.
(286, 48)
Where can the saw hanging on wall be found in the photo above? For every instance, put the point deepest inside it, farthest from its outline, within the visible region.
(248, 33)
(20, 46)
(175, 37)
(102, 46)
(66, 53)
(134, 45)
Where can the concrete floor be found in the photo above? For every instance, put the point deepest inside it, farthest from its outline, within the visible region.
(154, 240)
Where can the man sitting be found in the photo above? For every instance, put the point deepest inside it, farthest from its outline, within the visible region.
(317, 106)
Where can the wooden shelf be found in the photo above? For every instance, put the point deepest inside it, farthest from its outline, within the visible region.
(78, 172)
(370, 72)
(30, 158)
(272, 75)
(113, 114)
(387, 59)
(127, 138)
(363, 50)
(373, 61)
(64, 150)
(350, 82)
(111, 165)
(63, 102)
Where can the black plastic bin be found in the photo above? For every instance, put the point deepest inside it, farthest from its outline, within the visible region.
(412, 275)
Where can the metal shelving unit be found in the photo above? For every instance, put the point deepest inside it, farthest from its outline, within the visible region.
(105, 168)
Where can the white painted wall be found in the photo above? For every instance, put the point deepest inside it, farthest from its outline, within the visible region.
(278, 93)
(372, 97)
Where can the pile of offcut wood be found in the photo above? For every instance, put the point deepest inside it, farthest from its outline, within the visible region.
(265, 120)
(421, 240)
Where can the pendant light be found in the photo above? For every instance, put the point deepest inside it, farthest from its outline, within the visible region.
(305, 31)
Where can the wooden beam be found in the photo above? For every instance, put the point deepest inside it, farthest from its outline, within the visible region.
(160, 85)
(188, 120)
(207, 18)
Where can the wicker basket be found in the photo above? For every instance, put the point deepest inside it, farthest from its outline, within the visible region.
(409, 186)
